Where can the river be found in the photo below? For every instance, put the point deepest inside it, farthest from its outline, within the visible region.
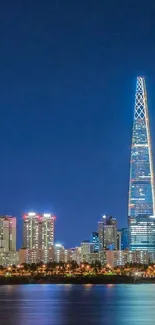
(77, 304)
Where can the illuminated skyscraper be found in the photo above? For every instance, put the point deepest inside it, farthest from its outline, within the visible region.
(39, 235)
(107, 233)
(141, 186)
(31, 230)
(8, 233)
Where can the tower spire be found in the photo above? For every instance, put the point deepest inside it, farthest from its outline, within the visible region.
(141, 184)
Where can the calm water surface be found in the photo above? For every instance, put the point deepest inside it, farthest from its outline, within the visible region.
(77, 304)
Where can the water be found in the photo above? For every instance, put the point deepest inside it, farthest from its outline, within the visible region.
(77, 305)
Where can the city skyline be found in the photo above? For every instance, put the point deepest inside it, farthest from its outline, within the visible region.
(67, 80)
(139, 112)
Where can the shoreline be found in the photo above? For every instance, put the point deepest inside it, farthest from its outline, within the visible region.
(88, 280)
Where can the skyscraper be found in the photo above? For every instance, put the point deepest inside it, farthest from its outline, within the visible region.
(141, 185)
(38, 230)
(8, 233)
(107, 233)
(31, 230)
(39, 235)
(95, 241)
(124, 238)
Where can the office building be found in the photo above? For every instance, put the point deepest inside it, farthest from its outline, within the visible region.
(95, 241)
(8, 233)
(86, 248)
(142, 233)
(119, 240)
(76, 256)
(124, 238)
(107, 232)
(141, 184)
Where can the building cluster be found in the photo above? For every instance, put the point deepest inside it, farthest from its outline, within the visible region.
(108, 245)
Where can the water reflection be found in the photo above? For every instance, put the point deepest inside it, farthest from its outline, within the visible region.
(77, 305)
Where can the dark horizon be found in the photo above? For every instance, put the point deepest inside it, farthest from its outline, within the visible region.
(68, 79)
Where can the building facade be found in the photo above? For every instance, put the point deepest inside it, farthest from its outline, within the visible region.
(141, 185)
(95, 241)
(39, 235)
(107, 232)
(59, 253)
(142, 233)
(8, 233)
(119, 239)
(86, 249)
(124, 238)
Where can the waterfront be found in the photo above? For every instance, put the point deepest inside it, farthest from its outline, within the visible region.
(77, 304)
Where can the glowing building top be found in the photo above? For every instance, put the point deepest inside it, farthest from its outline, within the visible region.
(141, 185)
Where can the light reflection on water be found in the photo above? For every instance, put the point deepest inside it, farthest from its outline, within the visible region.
(77, 304)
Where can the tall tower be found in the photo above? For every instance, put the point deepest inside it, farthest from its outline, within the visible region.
(141, 185)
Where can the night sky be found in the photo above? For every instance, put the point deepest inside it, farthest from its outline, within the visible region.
(67, 80)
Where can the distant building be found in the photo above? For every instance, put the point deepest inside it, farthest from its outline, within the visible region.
(23, 256)
(91, 258)
(8, 233)
(101, 224)
(39, 235)
(31, 230)
(69, 255)
(76, 256)
(120, 258)
(124, 238)
(8, 258)
(86, 248)
(95, 241)
(119, 240)
(59, 253)
(107, 232)
(113, 258)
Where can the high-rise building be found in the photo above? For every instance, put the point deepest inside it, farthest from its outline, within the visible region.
(119, 240)
(141, 185)
(107, 230)
(31, 230)
(123, 239)
(86, 249)
(8, 233)
(101, 224)
(76, 256)
(47, 230)
(59, 253)
(95, 241)
(142, 233)
(39, 235)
